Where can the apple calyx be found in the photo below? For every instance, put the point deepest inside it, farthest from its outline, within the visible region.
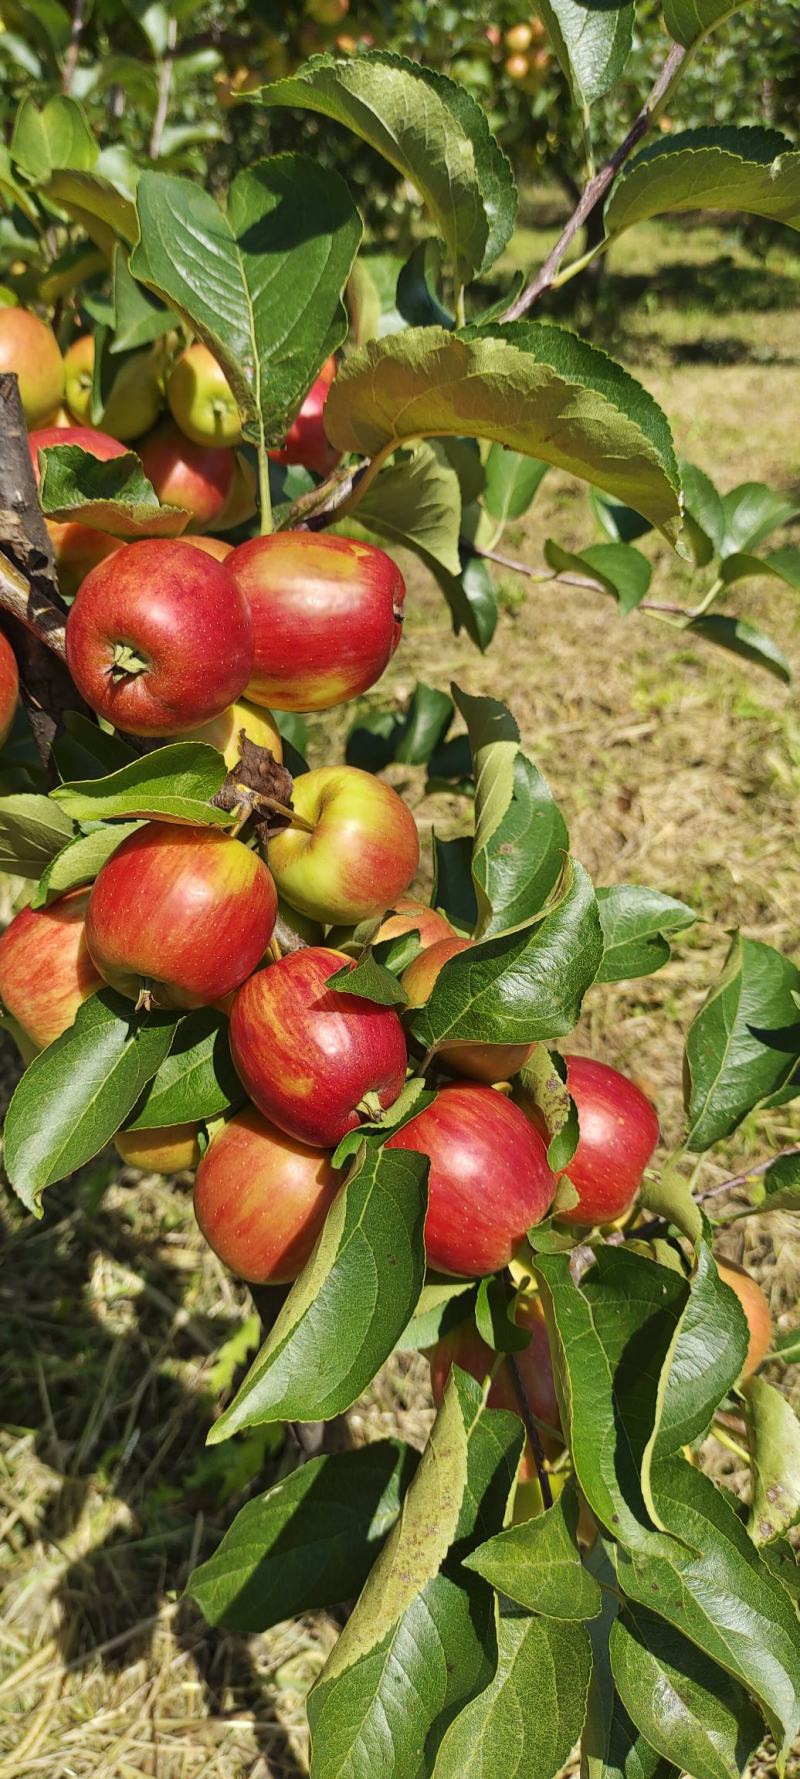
(127, 664)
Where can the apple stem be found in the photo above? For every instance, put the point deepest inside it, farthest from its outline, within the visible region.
(146, 1000)
(265, 497)
(531, 1430)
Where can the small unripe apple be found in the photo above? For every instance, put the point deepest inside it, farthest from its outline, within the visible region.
(489, 1181)
(756, 1308)
(30, 348)
(464, 1346)
(9, 687)
(171, 1149)
(482, 1062)
(327, 12)
(315, 1061)
(201, 400)
(76, 548)
(306, 441)
(518, 38)
(159, 639)
(327, 616)
(46, 971)
(179, 916)
(199, 478)
(618, 1133)
(135, 400)
(261, 1198)
(517, 68)
(361, 855)
(223, 731)
(411, 916)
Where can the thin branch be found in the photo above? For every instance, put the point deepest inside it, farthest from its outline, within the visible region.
(562, 580)
(320, 503)
(43, 621)
(531, 1430)
(164, 91)
(750, 1173)
(73, 47)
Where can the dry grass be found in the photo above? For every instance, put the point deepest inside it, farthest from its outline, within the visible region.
(675, 767)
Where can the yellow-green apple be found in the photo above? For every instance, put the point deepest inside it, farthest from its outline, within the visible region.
(482, 1062)
(171, 1149)
(315, 1061)
(618, 1131)
(76, 548)
(464, 1346)
(199, 478)
(327, 616)
(9, 687)
(261, 1198)
(518, 38)
(223, 731)
(756, 1309)
(411, 916)
(201, 400)
(159, 638)
(30, 348)
(179, 916)
(306, 441)
(362, 851)
(135, 398)
(46, 971)
(327, 12)
(489, 1181)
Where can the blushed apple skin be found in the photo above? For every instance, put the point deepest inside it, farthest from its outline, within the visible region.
(307, 441)
(46, 970)
(308, 1054)
(618, 1133)
(464, 1346)
(181, 613)
(30, 348)
(223, 731)
(362, 854)
(201, 400)
(212, 546)
(185, 911)
(77, 548)
(489, 1181)
(327, 616)
(197, 477)
(756, 1309)
(481, 1062)
(411, 916)
(171, 1149)
(261, 1198)
(9, 687)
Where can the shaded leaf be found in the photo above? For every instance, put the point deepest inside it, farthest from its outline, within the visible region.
(635, 921)
(471, 597)
(442, 1305)
(53, 136)
(618, 569)
(592, 44)
(174, 783)
(521, 837)
(742, 639)
(685, 1705)
(113, 496)
(730, 168)
(32, 831)
(512, 482)
(80, 860)
(538, 1563)
(774, 1434)
(415, 501)
(453, 889)
(743, 1044)
(196, 1081)
(527, 1720)
(418, 285)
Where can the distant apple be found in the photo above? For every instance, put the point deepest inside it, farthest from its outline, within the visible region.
(261, 1198)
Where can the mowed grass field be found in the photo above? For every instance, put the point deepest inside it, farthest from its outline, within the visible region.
(676, 766)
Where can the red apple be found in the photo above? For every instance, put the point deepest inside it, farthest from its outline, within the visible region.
(212, 546)
(76, 548)
(197, 477)
(30, 348)
(489, 1180)
(756, 1309)
(170, 1149)
(261, 1198)
(482, 1062)
(179, 916)
(327, 615)
(315, 1060)
(618, 1133)
(159, 640)
(307, 441)
(411, 916)
(9, 687)
(464, 1346)
(361, 855)
(46, 971)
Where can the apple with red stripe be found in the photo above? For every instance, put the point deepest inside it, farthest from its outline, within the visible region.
(306, 441)
(357, 853)
(411, 916)
(756, 1309)
(9, 687)
(179, 916)
(170, 1149)
(46, 971)
(618, 1131)
(261, 1198)
(212, 482)
(159, 639)
(315, 1061)
(30, 349)
(482, 1062)
(489, 1181)
(327, 616)
(464, 1346)
(77, 548)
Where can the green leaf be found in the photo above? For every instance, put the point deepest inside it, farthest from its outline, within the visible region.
(173, 783)
(96, 205)
(416, 502)
(308, 1542)
(743, 639)
(431, 130)
(32, 831)
(512, 481)
(526, 1722)
(78, 1091)
(781, 565)
(139, 318)
(542, 1081)
(743, 1044)
(113, 496)
(688, 19)
(441, 1306)
(418, 285)
(419, 1643)
(750, 169)
(83, 750)
(529, 385)
(685, 1705)
(750, 512)
(669, 1195)
(351, 1302)
(494, 1316)
(538, 1563)
(80, 860)
(774, 1435)
(453, 889)
(712, 1323)
(262, 282)
(635, 921)
(611, 1745)
(522, 987)
(704, 507)
(372, 980)
(779, 1188)
(55, 136)
(471, 598)
(618, 569)
(619, 522)
(196, 1081)
(591, 44)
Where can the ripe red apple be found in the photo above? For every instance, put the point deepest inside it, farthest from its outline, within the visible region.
(179, 916)
(312, 1059)
(307, 441)
(46, 971)
(482, 1062)
(135, 399)
(464, 1346)
(201, 400)
(76, 548)
(9, 687)
(30, 348)
(361, 855)
(756, 1309)
(159, 640)
(327, 615)
(171, 1149)
(261, 1198)
(411, 916)
(197, 477)
(618, 1133)
(489, 1180)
